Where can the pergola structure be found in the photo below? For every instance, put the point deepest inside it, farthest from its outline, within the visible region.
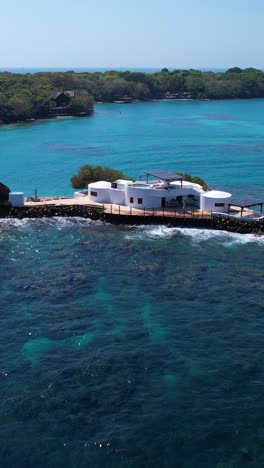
(246, 203)
(164, 175)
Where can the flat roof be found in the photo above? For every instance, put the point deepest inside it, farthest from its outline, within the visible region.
(216, 194)
(99, 184)
(164, 175)
(246, 203)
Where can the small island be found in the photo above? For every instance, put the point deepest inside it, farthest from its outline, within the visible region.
(51, 94)
(164, 198)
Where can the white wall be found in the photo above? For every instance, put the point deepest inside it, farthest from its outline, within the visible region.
(16, 199)
(150, 198)
(116, 196)
(209, 203)
(102, 190)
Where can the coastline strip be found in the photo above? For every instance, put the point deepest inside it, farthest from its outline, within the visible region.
(98, 213)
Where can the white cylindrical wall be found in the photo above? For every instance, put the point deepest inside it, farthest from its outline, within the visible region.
(16, 199)
(99, 192)
(117, 197)
(149, 198)
(215, 201)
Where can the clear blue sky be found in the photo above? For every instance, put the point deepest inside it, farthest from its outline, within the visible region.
(126, 33)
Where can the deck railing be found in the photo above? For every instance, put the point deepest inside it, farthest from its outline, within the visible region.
(155, 212)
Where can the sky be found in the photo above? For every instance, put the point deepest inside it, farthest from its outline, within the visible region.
(126, 33)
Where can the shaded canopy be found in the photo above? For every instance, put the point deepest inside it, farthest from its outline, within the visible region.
(246, 203)
(164, 175)
(4, 192)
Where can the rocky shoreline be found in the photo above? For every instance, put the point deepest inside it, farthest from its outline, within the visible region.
(220, 224)
(97, 213)
(50, 211)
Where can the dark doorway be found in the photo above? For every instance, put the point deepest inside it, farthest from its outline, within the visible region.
(179, 200)
(163, 202)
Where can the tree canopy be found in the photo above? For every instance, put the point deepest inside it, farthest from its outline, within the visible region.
(194, 179)
(88, 174)
(24, 96)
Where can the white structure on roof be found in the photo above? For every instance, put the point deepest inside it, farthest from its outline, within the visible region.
(216, 201)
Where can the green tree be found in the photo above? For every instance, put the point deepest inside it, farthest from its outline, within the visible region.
(88, 174)
(194, 179)
(234, 70)
(2, 99)
(140, 91)
(80, 105)
(196, 86)
(20, 107)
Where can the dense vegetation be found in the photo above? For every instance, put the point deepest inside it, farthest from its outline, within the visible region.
(29, 95)
(194, 179)
(88, 174)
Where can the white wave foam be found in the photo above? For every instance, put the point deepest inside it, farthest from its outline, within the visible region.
(61, 222)
(243, 239)
(56, 221)
(142, 232)
(228, 239)
(13, 222)
(151, 232)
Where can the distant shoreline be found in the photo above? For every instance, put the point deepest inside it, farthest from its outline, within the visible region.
(151, 101)
(44, 119)
(44, 94)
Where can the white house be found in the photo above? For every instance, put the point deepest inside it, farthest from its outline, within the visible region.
(166, 190)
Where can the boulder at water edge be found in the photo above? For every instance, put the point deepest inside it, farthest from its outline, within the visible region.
(4, 192)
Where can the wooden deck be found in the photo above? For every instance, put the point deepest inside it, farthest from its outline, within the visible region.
(191, 212)
(118, 209)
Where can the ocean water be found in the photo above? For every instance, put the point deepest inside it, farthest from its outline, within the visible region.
(223, 142)
(132, 346)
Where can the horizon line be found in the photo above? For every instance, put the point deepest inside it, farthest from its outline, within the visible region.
(120, 67)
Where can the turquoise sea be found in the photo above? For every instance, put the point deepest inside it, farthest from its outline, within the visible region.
(132, 346)
(222, 142)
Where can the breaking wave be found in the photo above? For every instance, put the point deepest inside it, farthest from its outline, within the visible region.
(196, 235)
(134, 233)
(56, 221)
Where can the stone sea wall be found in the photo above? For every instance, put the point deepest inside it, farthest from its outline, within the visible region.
(49, 211)
(222, 224)
(97, 213)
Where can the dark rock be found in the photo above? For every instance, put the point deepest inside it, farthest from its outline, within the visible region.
(4, 192)
(97, 213)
